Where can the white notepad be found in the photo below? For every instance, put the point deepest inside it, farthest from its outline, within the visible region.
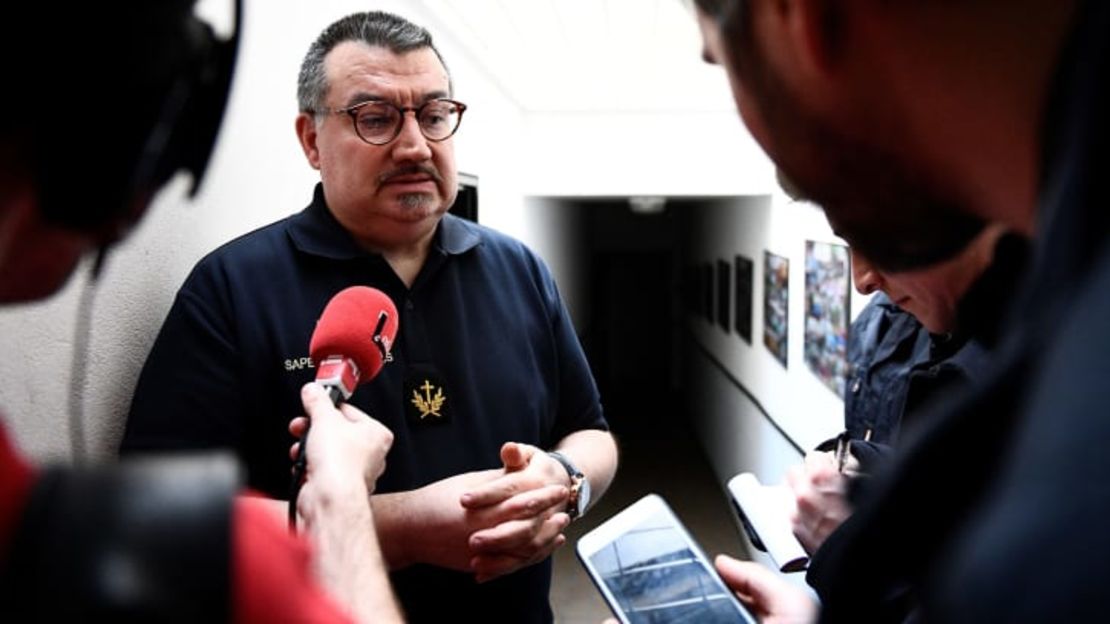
(765, 510)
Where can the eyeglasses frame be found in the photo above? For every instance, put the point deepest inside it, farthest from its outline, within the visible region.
(353, 109)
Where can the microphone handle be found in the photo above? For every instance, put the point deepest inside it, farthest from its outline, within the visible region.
(300, 465)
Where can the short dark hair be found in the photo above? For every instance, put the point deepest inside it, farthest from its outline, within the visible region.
(733, 18)
(374, 28)
(716, 8)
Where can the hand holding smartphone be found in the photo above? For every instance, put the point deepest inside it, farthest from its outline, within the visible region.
(650, 570)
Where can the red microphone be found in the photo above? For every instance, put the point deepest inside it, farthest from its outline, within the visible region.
(352, 339)
(350, 345)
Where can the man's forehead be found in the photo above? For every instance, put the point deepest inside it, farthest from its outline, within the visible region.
(354, 63)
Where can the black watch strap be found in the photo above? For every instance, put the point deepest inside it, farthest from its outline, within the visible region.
(577, 479)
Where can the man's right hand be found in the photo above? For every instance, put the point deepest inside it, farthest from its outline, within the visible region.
(820, 493)
(768, 596)
(346, 455)
(346, 449)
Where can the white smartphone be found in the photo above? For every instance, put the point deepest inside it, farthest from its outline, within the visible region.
(650, 570)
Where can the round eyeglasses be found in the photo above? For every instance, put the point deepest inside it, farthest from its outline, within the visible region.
(378, 122)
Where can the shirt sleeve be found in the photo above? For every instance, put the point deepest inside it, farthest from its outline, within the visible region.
(189, 393)
(272, 579)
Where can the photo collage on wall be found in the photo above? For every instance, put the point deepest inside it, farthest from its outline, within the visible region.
(826, 313)
(776, 299)
(722, 293)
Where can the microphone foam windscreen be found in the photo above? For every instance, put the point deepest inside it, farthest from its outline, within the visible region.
(346, 328)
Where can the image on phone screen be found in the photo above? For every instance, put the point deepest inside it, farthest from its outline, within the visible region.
(653, 574)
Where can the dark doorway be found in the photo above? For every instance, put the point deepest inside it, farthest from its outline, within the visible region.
(631, 330)
(466, 202)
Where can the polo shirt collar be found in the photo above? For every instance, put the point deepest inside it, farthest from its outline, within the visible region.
(455, 236)
(316, 231)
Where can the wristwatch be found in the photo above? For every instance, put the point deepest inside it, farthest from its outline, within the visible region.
(579, 486)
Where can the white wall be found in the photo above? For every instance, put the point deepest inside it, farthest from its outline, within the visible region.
(551, 228)
(804, 408)
(257, 175)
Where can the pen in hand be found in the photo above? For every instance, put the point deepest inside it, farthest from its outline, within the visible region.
(843, 444)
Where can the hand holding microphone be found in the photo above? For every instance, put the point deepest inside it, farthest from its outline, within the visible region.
(345, 442)
(350, 345)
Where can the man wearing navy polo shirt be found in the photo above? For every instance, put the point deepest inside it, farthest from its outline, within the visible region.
(487, 372)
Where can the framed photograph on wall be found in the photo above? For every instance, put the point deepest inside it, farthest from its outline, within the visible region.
(743, 311)
(776, 300)
(690, 293)
(828, 280)
(724, 294)
(707, 291)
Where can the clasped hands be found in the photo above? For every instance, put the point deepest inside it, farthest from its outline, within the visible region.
(518, 512)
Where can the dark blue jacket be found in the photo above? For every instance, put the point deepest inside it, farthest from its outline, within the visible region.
(884, 344)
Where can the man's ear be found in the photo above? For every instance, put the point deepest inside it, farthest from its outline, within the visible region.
(815, 28)
(306, 133)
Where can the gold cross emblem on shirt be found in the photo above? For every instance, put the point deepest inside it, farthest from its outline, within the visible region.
(428, 405)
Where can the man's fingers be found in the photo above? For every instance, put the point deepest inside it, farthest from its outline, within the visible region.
(821, 466)
(796, 477)
(519, 537)
(352, 413)
(747, 579)
(534, 503)
(504, 537)
(514, 456)
(771, 598)
(490, 566)
(496, 491)
(297, 426)
(502, 504)
(315, 399)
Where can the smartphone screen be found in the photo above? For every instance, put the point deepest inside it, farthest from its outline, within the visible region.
(653, 572)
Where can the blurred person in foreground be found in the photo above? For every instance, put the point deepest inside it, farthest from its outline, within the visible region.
(152, 540)
(911, 123)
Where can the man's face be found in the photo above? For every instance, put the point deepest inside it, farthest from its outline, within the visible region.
(36, 258)
(890, 211)
(931, 295)
(388, 196)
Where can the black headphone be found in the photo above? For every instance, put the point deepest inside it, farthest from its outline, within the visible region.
(137, 96)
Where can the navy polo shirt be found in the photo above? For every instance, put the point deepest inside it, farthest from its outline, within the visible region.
(485, 353)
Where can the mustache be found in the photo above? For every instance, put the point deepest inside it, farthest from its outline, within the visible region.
(407, 170)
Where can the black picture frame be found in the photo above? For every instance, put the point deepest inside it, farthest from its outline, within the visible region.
(742, 318)
(724, 295)
(707, 291)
